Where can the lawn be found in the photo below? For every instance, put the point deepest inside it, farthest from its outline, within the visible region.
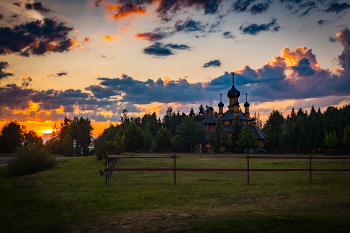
(72, 197)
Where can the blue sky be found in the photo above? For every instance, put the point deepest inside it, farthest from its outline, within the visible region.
(94, 58)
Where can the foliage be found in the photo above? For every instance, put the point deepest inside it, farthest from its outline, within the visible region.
(273, 129)
(67, 146)
(218, 138)
(148, 136)
(191, 132)
(28, 161)
(247, 139)
(162, 139)
(236, 130)
(31, 139)
(346, 137)
(11, 136)
(133, 138)
(330, 139)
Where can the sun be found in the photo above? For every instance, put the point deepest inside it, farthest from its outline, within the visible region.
(47, 131)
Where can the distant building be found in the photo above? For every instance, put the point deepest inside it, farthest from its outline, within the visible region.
(232, 115)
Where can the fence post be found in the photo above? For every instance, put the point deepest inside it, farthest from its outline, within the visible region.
(174, 168)
(310, 167)
(248, 168)
(106, 170)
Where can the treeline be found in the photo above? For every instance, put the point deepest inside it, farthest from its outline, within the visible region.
(306, 133)
(175, 132)
(13, 135)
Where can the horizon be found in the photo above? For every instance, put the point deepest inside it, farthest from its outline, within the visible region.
(94, 58)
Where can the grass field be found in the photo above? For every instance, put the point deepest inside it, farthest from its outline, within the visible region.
(72, 197)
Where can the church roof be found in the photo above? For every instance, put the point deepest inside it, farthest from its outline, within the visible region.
(209, 120)
(228, 115)
(259, 134)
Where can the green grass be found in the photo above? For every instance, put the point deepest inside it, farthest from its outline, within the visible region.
(72, 197)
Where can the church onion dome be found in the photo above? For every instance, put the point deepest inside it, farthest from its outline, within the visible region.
(236, 103)
(221, 104)
(246, 104)
(233, 93)
(211, 108)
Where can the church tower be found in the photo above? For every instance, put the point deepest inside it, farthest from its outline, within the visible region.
(221, 107)
(233, 95)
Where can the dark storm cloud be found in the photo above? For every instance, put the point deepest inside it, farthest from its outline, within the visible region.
(138, 92)
(241, 5)
(255, 29)
(35, 38)
(152, 36)
(189, 25)
(344, 58)
(214, 63)
(321, 22)
(303, 68)
(61, 73)
(332, 39)
(14, 97)
(37, 6)
(159, 49)
(259, 8)
(337, 7)
(181, 26)
(3, 73)
(228, 35)
(166, 9)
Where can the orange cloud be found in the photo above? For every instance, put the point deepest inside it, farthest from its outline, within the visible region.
(85, 40)
(167, 80)
(293, 57)
(109, 38)
(112, 7)
(123, 11)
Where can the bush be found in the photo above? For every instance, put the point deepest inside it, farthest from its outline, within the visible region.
(30, 160)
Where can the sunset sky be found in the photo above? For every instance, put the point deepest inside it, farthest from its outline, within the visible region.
(94, 58)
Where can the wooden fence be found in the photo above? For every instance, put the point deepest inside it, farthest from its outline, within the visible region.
(112, 159)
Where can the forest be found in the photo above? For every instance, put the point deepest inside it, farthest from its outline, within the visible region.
(298, 132)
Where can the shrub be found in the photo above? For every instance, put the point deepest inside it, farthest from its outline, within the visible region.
(30, 160)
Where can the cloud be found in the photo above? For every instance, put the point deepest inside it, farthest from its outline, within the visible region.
(139, 92)
(255, 29)
(344, 58)
(37, 6)
(259, 8)
(321, 22)
(181, 26)
(61, 73)
(123, 11)
(35, 38)
(303, 68)
(26, 81)
(159, 49)
(151, 36)
(165, 9)
(228, 35)
(241, 5)
(214, 63)
(112, 37)
(3, 72)
(337, 7)
(189, 25)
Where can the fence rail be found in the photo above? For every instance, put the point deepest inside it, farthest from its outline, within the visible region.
(112, 159)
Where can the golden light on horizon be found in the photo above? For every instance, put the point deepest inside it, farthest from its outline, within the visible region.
(47, 131)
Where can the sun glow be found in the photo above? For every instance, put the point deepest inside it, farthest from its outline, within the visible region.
(47, 131)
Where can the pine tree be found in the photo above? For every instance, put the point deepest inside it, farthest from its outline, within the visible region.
(133, 138)
(218, 138)
(162, 139)
(247, 139)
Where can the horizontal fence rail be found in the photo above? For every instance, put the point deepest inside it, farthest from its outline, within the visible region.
(112, 159)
